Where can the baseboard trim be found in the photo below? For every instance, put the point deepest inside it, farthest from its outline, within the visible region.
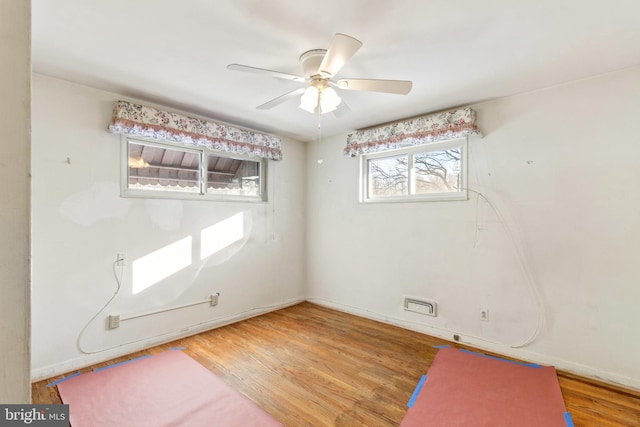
(56, 369)
(519, 353)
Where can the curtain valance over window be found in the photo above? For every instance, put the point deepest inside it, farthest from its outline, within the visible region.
(434, 127)
(161, 125)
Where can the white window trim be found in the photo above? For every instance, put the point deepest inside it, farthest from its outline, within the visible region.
(433, 197)
(125, 191)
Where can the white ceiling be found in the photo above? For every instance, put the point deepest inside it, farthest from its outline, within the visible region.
(456, 53)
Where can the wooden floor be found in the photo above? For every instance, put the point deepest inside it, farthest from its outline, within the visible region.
(311, 366)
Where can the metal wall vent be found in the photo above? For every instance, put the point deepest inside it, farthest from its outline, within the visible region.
(422, 306)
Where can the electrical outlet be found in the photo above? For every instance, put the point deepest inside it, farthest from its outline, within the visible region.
(121, 259)
(114, 321)
(484, 315)
(214, 299)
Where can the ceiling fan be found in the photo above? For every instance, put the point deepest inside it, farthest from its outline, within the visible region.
(319, 66)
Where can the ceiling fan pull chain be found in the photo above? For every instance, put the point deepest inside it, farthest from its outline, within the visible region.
(319, 127)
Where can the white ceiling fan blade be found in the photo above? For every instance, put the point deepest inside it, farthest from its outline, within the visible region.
(341, 49)
(399, 87)
(278, 74)
(282, 98)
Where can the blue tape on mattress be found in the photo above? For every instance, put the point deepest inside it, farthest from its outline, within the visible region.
(531, 365)
(63, 379)
(416, 392)
(568, 419)
(121, 363)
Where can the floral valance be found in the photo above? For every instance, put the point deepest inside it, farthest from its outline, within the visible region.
(161, 125)
(434, 127)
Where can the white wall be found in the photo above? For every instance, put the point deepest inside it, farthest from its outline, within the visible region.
(15, 87)
(561, 167)
(80, 223)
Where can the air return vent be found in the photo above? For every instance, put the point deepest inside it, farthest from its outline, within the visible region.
(420, 305)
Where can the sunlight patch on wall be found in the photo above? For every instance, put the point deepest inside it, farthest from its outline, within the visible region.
(158, 265)
(220, 235)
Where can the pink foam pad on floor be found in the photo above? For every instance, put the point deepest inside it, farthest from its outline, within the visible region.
(165, 389)
(468, 389)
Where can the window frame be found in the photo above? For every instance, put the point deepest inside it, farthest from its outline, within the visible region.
(411, 151)
(203, 152)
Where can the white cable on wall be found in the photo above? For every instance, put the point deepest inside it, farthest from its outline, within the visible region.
(118, 287)
(531, 283)
(219, 321)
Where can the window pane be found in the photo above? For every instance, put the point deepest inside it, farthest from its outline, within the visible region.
(388, 176)
(233, 176)
(438, 171)
(163, 169)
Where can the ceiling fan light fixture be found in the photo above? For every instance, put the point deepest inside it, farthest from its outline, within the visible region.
(329, 100)
(319, 100)
(309, 99)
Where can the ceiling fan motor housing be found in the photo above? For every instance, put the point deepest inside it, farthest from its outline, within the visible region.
(310, 61)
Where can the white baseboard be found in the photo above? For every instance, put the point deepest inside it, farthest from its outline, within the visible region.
(53, 370)
(519, 353)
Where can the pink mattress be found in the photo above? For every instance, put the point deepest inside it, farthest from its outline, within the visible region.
(470, 389)
(165, 389)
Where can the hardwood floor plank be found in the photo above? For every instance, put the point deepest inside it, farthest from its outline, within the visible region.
(308, 365)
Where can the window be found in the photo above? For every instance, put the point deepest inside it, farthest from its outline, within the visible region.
(152, 169)
(434, 171)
